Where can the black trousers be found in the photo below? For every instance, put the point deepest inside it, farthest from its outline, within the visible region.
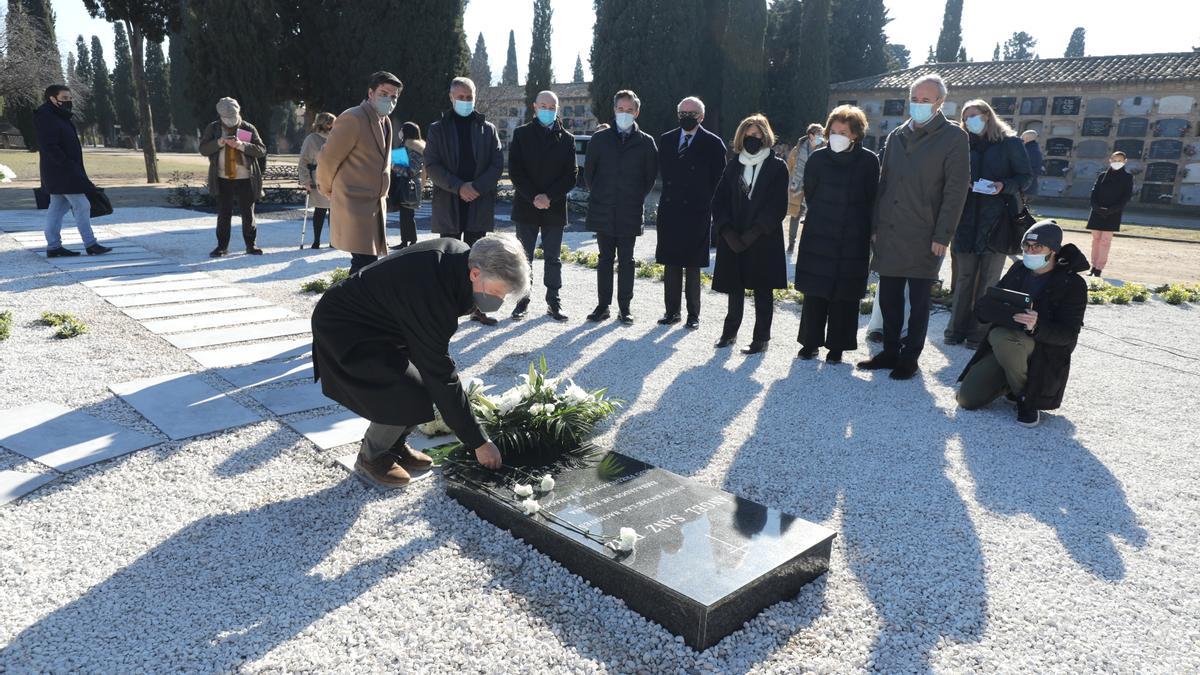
(832, 324)
(318, 223)
(619, 249)
(226, 191)
(552, 236)
(359, 261)
(673, 285)
(891, 306)
(408, 226)
(764, 313)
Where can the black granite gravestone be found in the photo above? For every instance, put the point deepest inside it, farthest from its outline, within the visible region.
(705, 561)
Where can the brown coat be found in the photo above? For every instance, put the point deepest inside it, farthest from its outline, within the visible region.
(252, 151)
(797, 159)
(924, 177)
(354, 171)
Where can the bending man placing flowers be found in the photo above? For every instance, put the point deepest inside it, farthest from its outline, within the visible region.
(381, 345)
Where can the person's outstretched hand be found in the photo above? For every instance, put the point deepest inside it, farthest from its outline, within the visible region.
(488, 455)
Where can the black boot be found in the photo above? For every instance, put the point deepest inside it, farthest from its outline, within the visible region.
(884, 360)
(521, 309)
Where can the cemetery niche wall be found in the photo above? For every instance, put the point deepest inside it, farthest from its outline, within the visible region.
(1145, 105)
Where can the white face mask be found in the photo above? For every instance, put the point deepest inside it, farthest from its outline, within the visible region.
(624, 120)
(839, 143)
(1116, 165)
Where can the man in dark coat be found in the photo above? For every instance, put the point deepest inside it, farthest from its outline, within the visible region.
(1037, 164)
(620, 170)
(691, 159)
(541, 164)
(62, 173)
(1030, 359)
(381, 344)
(464, 161)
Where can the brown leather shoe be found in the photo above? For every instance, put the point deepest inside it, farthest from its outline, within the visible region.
(383, 470)
(413, 460)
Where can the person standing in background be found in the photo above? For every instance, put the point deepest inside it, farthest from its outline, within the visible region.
(1110, 194)
(62, 174)
(464, 161)
(233, 148)
(354, 169)
(408, 179)
(306, 171)
(797, 159)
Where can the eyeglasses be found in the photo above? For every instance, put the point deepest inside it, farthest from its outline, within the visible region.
(1031, 247)
(693, 115)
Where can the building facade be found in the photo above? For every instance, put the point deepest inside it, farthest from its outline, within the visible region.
(1083, 109)
(505, 107)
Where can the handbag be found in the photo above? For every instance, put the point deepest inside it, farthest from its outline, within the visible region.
(404, 191)
(1009, 230)
(101, 205)
(41, 198)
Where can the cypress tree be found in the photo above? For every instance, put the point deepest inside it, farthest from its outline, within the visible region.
(710, 84)
(950, 39)
(578, 76)
(898, 57)
(742, 79)
(813, 84)
(509, 77)
(481, 71)
(996, 53)
(782, 52)
(124, 98)
(962, 55)
(102, 102)
(33, 20)
(158, 88)
(431, 65)
(540, 75)
(857, 39)
(931, 57)
(82, 85)
(183, 108)
(1020, 47)
(1075, 48)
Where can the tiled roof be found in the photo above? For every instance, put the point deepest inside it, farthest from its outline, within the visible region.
(516, 92)
(1126, 69)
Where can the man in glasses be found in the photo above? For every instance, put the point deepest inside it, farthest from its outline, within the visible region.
(1030, 358)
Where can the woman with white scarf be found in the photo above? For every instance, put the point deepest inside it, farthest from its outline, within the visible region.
(748, 210)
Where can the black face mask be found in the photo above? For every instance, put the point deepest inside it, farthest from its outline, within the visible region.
(688, 122)
(752, 144)
(486, 302)
(63, 108)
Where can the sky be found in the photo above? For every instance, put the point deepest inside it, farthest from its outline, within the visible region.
(1112, 27)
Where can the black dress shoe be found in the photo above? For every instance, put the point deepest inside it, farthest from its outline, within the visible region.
(692, 323)
(599, 314)
(725, 342)
(756, 347)
(669, 319)
(483, 318)
(833, 357)
(625, 317)
(875, 336)
(253, 250)
(217, 252)
(904, 370)
(315, 244)
(881, 361)
(806, 354)
(555, 312)
(61, 252)
(521, 309)
(953, 340)
(97, 249)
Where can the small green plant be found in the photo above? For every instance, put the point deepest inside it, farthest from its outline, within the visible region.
(339, 275)
(321, 285)
(54, 318)
(69, 328)
(6, 320)
(1176, 294)
(538, 253)
(866, 306)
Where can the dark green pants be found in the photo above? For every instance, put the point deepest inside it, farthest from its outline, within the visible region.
(1005, 369)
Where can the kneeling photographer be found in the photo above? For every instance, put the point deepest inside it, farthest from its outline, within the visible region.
(1036, 312)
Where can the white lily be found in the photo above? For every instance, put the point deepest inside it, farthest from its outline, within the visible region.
(628, 537)
(523, 490)
(530, 507)
(576, 394)
(547, 483)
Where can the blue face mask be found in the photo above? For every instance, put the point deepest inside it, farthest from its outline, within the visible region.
(975, 124)
(464, 108)
(1035, 262)
(624, 120)
(920, 112)
(547, 117)
(384, 105)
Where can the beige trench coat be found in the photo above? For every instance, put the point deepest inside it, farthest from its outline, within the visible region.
(308, 157)
(354, 171)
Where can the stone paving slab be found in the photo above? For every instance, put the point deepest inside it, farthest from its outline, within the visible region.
(134, 281)
(65, 439)
(190, 308)
(157, 287)
(257, 374)
(253, 353)
(114, 257)
(288, 400)
(128, 272)
(199, 321)
(244, 333)
(170, 297)
(17, 484)
(332, 430)
(95, 264)
(183, 405)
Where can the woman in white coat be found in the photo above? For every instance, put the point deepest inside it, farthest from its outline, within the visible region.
(306, 170)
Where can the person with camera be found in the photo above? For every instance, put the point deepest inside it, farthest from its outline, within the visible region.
(306, 172)
(1035, 321)
(408, 175)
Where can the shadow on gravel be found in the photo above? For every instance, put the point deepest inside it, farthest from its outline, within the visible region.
(218, 594)
(879, 465)
(1057, 480)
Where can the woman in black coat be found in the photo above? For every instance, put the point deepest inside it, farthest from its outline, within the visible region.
(840, 181)
(748, 209)
(998, 163)
(1113, 190)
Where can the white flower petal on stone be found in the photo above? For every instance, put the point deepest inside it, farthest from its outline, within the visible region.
(530, 507)
(627, 537)
(547, 483)
(523, 490)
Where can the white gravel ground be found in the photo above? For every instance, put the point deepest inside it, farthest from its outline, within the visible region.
(965, 542)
